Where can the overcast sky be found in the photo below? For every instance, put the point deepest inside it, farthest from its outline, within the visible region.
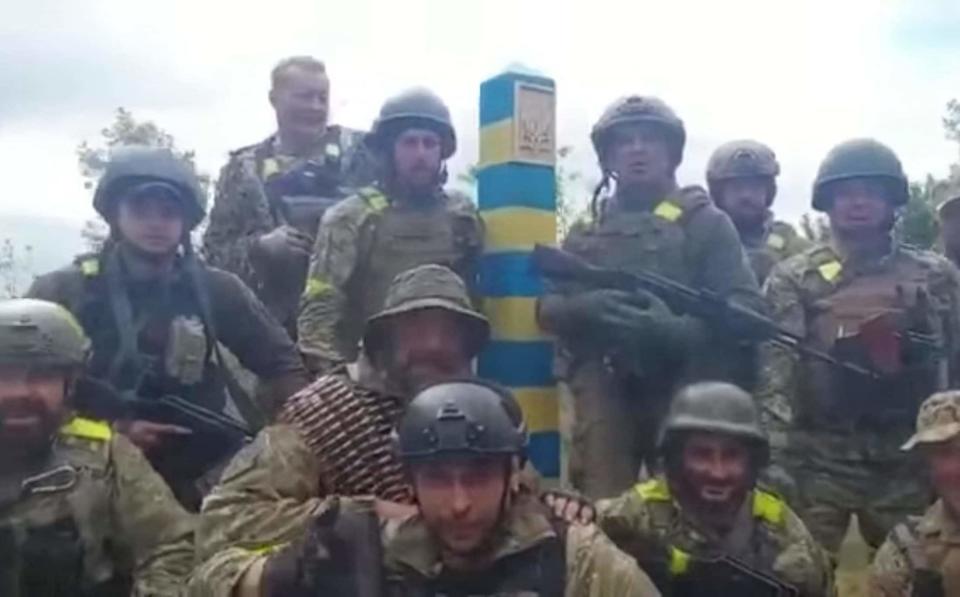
(798, 75)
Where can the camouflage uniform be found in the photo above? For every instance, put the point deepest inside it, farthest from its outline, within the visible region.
(835, 431)
(88, 516)
(244, 210)
(363, 243)
(94, 508)
(685, 238)
(921, 556)
(530, 554)
(774, 241)
(159, 335)
(778, 241)
(767, 536)
(334, 438)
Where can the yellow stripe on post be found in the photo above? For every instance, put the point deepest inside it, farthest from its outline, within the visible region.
(496, 143)
(519, 228)
(539, 408)
(513, 318)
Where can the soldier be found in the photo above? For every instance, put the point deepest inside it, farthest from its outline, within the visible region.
(462, 444)
(271, 195)
(622, 355)
(891, 309)
(81, 511)
(950, 227)
(405, 221)
(921, 556)
(742, 177)
(156, 315)
(707, 506)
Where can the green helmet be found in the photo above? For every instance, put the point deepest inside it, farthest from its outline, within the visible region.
(135, 165)
(417, 107)
(716, 407)
(466, 417)
(42, 333)
(745, 158)
(860, 158)
(638, 108)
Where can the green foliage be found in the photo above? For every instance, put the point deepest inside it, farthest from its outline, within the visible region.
(15, 268)
(815, 228)
(917, 225)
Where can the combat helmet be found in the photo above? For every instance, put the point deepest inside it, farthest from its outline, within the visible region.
(417, 107)
(134, 165)
(428, 286)
(637, 108)
(40, 333)
(467, 417)
(860, 158)
(744, 158)
(716, 407)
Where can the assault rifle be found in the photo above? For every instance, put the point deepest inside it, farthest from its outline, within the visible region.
(213, 435)
(557, 264)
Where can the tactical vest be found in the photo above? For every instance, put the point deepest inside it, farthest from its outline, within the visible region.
(655, 240)
(55, 534)
(349, 429)
(768, 510)
(538, 571)
(928, 579)
(836, 306)
(397, 238)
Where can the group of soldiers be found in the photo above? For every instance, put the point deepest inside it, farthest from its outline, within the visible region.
(370, 460)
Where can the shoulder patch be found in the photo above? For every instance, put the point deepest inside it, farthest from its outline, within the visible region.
(87, 429)
(374, 198)
(830, 270)
(768, 508)
(653, 490)
(668, 210)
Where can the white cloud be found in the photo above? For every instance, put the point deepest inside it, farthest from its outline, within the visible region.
(798, 75)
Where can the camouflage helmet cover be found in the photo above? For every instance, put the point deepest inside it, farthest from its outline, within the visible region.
(938, 420)
(716, 407)
(637, 108)
(860, 158)
(40, 333)
(412, 108)
(134, 165)
(424, 287)
(461, 417)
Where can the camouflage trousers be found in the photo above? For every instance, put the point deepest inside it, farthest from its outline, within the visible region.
(860, 472)
(612, 432)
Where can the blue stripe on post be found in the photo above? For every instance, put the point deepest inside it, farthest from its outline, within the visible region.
(518, 364)
(516, 185)
(543, 450)
(508, 274)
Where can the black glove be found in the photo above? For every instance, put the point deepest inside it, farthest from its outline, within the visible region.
(340, 554)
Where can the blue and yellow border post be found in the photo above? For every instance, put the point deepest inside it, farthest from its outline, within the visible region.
(517, 199)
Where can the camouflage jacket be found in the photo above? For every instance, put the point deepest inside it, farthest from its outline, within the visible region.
(98, 510)
(919, 553)
(800, 290)
(777, 242)
(685, 238)
(363, 243)
(768, 537)
(594, 567)
(242, 211)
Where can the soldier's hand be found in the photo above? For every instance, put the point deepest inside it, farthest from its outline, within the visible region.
(569, 506)
(282, 243)
(148, 435)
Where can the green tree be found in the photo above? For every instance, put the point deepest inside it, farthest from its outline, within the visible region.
(15, 268)
(917, 224)
(815, 228)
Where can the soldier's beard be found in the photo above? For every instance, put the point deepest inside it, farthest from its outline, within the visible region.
(411, 373)
(26, 427)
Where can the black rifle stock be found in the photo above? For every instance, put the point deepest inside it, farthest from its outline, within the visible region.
(560, 265)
